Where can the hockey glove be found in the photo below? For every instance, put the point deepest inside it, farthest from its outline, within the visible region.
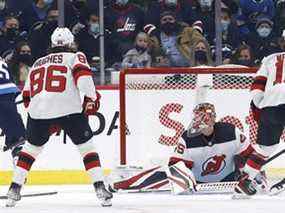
(26, 98)
(255, 111)
(90, 107)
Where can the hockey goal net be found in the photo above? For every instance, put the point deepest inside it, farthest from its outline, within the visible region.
(156, 107)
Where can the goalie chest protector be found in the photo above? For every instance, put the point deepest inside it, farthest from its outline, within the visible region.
(213, 160)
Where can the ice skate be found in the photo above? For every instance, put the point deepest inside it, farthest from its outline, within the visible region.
(278, 187)
(103, 195)
(13, 195)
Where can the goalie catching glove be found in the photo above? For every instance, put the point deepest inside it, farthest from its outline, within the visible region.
(90, 106)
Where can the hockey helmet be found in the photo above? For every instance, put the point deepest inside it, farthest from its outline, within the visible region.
(204, 116)
(62, 37)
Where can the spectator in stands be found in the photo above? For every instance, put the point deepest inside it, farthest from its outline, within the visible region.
(250, 10)
(244, 56)
(281, 43)
(263, 40)
(280, 17)
(201, 56)
(124, 20)
(232, 5)
(39, 36)
(88, 39)
(174, 40)
(34, 13)
(138, 57)
(18, 6)
(10, 34)
(181, 8)
(205, 14)
(80, 17)
(230, 32)
(20, 63)
(2, 12)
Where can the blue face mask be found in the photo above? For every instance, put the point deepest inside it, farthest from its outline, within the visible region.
(94, 27)
(48, 1)
(171, 2)
(225, 25)
(263, 32)
(122, 2)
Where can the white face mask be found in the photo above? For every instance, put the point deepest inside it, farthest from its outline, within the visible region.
(94, 27)
(122, 2)
(206, 3)
(225, 25)
(171, 2)
(263, 31)
(48, 1)
(2, 5)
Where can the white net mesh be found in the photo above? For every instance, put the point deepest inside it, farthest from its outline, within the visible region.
(159, 106)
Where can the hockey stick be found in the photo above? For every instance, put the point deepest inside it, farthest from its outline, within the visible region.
(225, 187)
(19, 102)
(33, 195)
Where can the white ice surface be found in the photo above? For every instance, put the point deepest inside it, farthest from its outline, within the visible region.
(82, 199)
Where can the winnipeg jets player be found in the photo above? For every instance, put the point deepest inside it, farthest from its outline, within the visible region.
(10, 120)
(51, 94)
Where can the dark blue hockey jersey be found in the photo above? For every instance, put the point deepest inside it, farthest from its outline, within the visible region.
(6, 81)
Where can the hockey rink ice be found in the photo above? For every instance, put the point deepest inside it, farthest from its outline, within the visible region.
(82, 199)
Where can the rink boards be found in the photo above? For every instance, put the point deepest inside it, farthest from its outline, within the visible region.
(61, 163)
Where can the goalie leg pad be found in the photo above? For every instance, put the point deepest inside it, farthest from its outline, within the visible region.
(153, 179)
(181, 179)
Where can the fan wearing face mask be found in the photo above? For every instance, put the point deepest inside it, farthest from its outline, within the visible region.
(36, 12)
(205, 14)
(250, 10)
(230, 32)
(182, 9)
(174, 40)
(124, 20)
(21, 63)
(201, 56)
(263, 40)
(138, 57)
(88, 38)
(10, 34)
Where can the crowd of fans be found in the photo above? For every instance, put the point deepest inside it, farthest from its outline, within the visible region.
(151, 33)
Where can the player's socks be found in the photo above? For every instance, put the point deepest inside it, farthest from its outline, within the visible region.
(13, 195)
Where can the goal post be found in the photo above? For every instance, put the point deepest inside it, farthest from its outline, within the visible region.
(156, 106)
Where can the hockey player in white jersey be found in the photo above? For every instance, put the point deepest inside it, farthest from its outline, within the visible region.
(214, 151)
(51, 95)
(268, 106)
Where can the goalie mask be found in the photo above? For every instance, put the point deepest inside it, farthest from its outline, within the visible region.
(204, 116)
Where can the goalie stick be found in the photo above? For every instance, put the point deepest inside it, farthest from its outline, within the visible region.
(33, 194)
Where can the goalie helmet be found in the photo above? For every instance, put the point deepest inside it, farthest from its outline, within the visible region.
(62, 37)
(204, 116)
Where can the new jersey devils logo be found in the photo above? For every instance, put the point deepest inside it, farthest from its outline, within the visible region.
(213, 165)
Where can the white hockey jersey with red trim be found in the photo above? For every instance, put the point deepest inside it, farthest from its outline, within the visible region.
(268, 88)
(211, 161)
(54, 84)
